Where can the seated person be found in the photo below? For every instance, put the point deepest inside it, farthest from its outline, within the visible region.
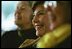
(23, 16)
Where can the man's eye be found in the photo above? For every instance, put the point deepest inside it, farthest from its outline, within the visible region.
(22, 8)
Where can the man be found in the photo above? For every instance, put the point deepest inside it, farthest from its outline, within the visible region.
(23, 16)
(52, 25)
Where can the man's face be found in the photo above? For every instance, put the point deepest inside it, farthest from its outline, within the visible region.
(22, 14)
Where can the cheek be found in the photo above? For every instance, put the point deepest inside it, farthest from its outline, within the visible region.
(47, 23)
(27, 15)
(24, 18)
(28, 12)
(42, 18)
(46, 20)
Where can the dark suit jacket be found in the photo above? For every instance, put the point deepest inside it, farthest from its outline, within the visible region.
(11, 39)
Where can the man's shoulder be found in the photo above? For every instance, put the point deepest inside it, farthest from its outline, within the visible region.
(9, 39)
(9, 33)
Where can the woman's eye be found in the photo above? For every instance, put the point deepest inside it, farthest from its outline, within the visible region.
(41, 13)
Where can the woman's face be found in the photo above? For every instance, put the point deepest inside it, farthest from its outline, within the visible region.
(41, 21)
(46, 19)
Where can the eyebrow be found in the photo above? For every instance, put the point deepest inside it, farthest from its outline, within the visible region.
(21, 7)
(38, 12)
(41, 12)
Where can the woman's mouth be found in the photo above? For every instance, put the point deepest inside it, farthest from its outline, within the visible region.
(38, 26)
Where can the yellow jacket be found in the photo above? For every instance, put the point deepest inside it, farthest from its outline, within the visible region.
(51, 39)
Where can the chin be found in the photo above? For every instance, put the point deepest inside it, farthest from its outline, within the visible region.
(39, 34)
(36, 33)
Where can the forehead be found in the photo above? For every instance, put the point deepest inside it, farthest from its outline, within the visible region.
(23, 4)
(39, 8)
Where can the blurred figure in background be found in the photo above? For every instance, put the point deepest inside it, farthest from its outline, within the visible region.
(23, 17)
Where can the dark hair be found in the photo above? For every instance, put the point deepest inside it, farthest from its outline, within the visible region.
(36, 4)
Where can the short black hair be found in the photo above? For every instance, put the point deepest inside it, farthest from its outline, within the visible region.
(36, 4)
